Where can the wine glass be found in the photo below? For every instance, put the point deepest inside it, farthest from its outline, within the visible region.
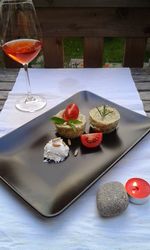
(21, 41)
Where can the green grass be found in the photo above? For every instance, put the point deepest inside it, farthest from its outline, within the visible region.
(73, 48)
(113, 49)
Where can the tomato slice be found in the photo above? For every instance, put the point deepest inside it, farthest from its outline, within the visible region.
(71, 112)
(92, 140)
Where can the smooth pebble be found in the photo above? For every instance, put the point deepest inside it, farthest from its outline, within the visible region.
(112, 199)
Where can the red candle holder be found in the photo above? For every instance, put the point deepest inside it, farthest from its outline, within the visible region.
(138, 190)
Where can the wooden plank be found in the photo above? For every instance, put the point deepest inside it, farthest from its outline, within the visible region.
(6, 86)
(142, 78)
(141, 75)
(145, 95)
(8, 75)
(53, 52)
(93, 52)
(134, 52)
(140, 72)
(3, 95)
(1, 104)
(95, 22)
(147, 106)
(93, 3)
(143, 86)
(142, 81)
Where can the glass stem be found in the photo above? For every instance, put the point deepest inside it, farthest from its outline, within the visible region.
(29, 96)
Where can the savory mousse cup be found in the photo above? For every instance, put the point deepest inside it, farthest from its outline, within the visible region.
(104, 118)
(72, 128)
(70, 123)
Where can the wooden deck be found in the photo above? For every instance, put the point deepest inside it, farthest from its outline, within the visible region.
(140, 76)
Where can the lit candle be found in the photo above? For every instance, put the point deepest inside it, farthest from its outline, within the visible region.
(138, 190)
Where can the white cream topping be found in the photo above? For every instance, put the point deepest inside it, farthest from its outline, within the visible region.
(56, 150)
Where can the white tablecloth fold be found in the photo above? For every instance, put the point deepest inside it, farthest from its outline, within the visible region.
(79, 227)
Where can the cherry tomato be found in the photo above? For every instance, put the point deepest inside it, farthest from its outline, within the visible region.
(91, 140)
(71, 112)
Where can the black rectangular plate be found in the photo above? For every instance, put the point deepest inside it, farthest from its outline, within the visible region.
(51, 187)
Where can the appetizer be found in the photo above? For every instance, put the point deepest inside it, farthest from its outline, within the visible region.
(70, 123)
(104, 118)
(55, 150)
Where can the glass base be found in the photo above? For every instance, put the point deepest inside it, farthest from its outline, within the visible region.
(31, 103)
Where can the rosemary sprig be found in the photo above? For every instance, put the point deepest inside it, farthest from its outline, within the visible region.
(104, 112)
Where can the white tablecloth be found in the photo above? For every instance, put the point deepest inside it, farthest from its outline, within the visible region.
(79, 227)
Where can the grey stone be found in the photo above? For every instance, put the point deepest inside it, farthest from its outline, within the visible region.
(112, 199)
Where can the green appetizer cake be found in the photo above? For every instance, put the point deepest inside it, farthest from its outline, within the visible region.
(104, 118)
(70, 123)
